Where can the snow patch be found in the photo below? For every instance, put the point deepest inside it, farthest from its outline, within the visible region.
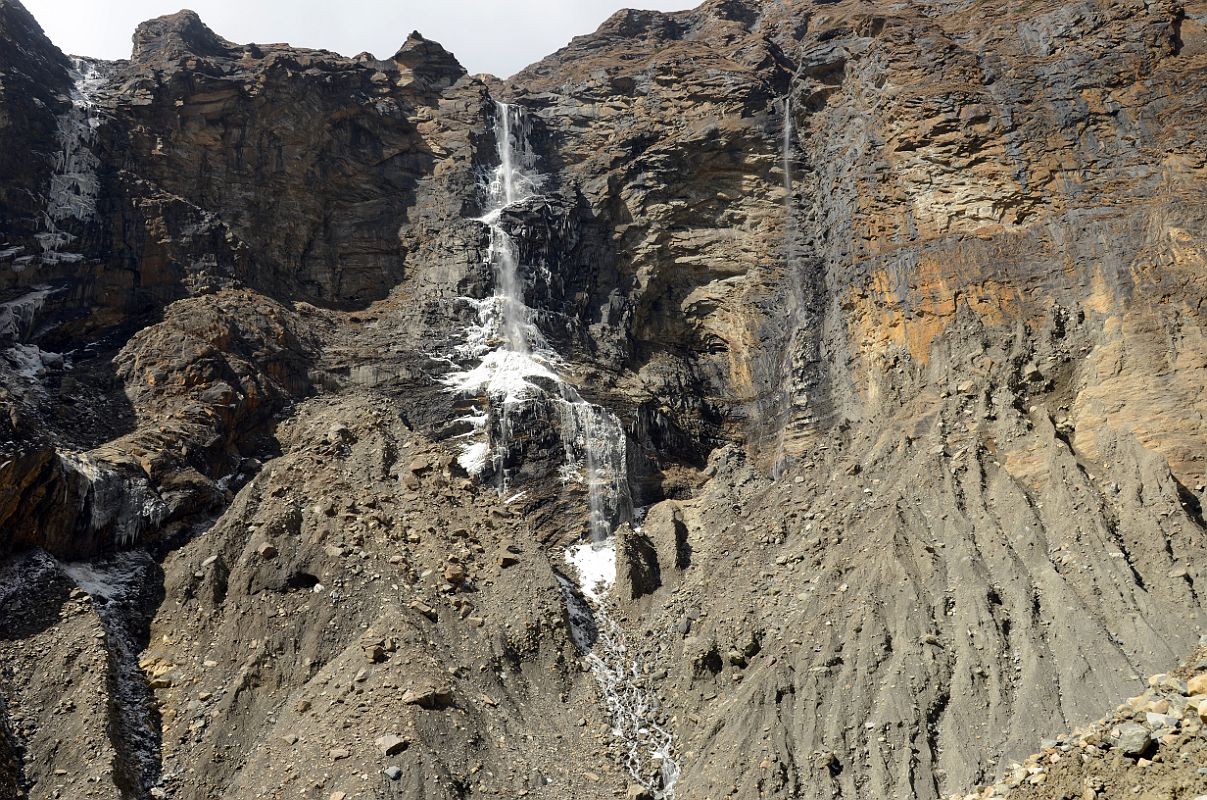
(595, 564)
(117, 577)
(506, 376)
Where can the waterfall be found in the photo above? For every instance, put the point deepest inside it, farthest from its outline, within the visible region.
(73, 182)
(505, 364)
(596, 453)
(513, 183)
(510, 364)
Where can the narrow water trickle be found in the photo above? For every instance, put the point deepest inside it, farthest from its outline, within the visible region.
(505, 365)
(779, 458)
(786, 154)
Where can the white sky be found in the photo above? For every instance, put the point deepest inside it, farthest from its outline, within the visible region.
(498, 36)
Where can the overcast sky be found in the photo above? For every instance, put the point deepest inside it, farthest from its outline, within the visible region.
(499, 36)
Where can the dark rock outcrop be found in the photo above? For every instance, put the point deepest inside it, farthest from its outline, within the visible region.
(33, 88)
(638, 572)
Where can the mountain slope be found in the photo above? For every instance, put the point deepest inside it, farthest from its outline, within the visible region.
(897, 307)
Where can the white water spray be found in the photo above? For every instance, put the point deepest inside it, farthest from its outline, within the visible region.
(513, 365)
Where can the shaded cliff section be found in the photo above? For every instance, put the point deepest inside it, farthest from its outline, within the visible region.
(235, 200)
(34, 85)
(223, 162)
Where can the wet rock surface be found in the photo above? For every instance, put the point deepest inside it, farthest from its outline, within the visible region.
(896, 310)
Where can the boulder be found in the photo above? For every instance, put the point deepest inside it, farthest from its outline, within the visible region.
(1133, 739)
(1197, 684)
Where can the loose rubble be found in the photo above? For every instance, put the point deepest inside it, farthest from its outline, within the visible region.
(1153, 745)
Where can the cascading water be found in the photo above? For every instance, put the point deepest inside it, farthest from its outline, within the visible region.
(511, 364)
(514, 365)
(649, 754)
(73, 182)
(637, 722)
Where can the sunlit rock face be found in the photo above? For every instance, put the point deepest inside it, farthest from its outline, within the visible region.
(875, 328)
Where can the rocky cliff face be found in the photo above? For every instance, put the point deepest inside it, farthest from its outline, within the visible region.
(897, 306)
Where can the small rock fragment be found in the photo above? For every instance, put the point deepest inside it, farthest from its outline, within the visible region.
(454, 574)
(424, 609)
(428, 697)
(391, 744)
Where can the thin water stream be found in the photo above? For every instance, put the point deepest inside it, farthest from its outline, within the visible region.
(796, 299)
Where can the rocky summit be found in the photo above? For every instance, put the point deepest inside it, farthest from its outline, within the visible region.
(777, 399)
